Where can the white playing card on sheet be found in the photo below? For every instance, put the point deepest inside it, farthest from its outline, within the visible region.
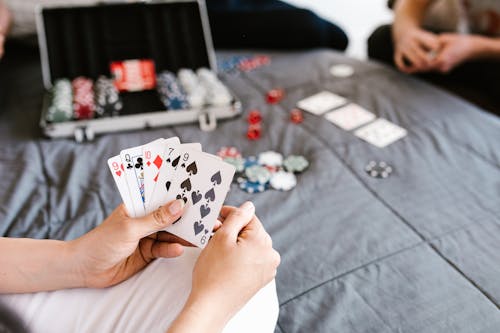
(321, 102)
(118, 170)
(203, 183)
(153, 160)
(381, 133)
(350, 116)
(171, 160)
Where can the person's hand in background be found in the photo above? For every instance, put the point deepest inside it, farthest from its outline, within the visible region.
(413, 50)
(457, 49)
(238, 261)
(5, 21)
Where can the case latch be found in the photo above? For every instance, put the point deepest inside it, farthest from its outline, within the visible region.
(83, 134)
(208, 121)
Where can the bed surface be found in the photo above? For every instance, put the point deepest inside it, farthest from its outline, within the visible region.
(416, 252)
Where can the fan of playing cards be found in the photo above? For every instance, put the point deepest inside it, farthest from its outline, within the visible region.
(156, 173)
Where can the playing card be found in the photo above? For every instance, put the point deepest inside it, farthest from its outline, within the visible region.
(153, 160)
(133, 163)
(381, 133)
(202, 182)
(321, 102)
(171, 159)
(350, 116)
(117, 169)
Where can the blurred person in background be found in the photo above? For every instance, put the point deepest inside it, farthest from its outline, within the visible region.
(452, 43)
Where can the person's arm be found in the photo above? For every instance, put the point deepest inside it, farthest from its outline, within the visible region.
(237, 262)
(5, 22)
(109, 254)
(457, 49)
(412, 44)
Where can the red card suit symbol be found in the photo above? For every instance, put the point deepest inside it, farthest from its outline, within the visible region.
(119, 173)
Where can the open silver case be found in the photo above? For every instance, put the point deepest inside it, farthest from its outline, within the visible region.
(84, 40)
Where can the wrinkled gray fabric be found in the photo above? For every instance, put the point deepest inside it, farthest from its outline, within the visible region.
(417, 252)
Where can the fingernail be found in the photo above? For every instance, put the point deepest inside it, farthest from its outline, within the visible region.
(247, 206)
(176, 207)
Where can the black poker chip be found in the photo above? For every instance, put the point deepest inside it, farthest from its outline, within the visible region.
(378, 169)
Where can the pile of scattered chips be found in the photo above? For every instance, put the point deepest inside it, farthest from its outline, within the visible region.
(61, 106)
(268, 170)
(107, 98)
(254, 120)
(243, 63)
(83, 98)
(378, 169)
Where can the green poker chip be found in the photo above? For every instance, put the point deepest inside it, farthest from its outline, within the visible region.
(295, 163)
(237, 162)
(258, 174)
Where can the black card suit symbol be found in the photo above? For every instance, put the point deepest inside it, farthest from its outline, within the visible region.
(167, 185)
(210, 195)
(176, 161)
(183, 165)
(138, 165)
(198, 227)
(204, 210)
(129, 166)
(192, 169)
(168, 160)
(216, 178)
(181, 197)
(196, 197)
(186, 185)
(206, 231)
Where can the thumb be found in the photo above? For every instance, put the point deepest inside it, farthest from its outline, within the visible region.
(159, 219)
(237, 220)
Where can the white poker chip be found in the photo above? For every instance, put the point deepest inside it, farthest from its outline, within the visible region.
(283, 181)
(341, 70)
(295, 163)
(271, 158)
(258, 174)
(237, 162)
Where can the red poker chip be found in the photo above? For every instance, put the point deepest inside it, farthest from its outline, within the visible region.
(275, 96)
(296, 116)
(254, 132)
(226, 152)
(254, 117)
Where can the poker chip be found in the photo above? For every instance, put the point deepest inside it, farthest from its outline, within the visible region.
(275, 96)
(251, 161)
(107, 98)
(83, 98)
(254, 132)
(295, 163)
(257, 174)
(283, 181)
(252, 187)
(378, 169)
(217, 93)
(237, 162)
(271, 158)
(195, 92)
(60, 108)
(296, 116)
(254, 117)
(170, 92)
(228, 152)
(341, 70)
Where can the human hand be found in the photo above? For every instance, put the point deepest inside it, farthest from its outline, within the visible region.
(121, 246)
(413, 48)
(238, 261)
(5, 21)
(455, 50)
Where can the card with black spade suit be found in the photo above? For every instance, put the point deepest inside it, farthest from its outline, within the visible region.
(203, 182)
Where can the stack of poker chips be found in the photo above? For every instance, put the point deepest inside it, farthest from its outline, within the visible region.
(83, 98)
(170, 92)
(107, 98)
(61, 107)
(194, 90)
(217, 93)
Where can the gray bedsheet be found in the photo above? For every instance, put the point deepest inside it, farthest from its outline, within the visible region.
(417, 252)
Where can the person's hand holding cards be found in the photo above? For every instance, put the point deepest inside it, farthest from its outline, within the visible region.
(161, 171)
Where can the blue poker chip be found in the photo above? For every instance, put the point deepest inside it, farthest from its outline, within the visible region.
(251, 187)
(251, 161)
